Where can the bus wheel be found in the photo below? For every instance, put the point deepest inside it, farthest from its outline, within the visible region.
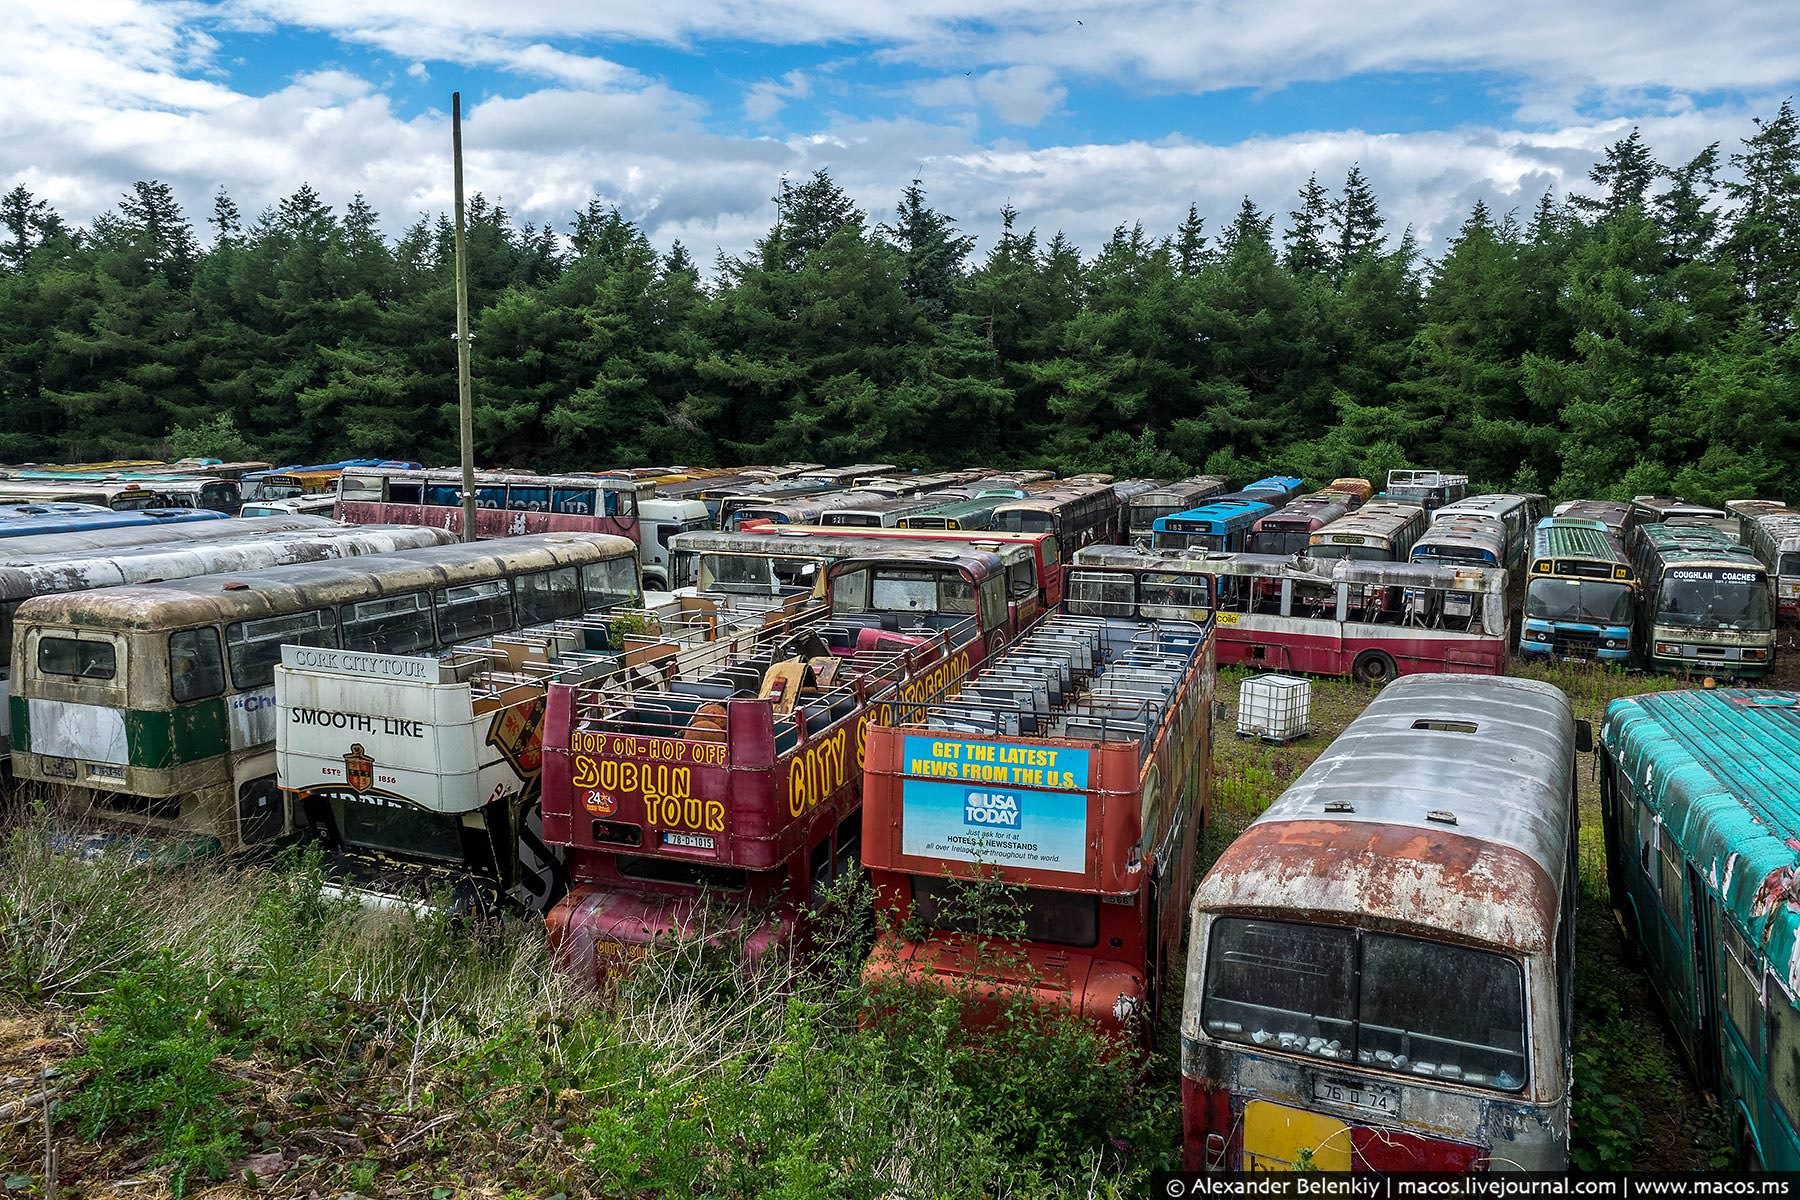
(1373, 668)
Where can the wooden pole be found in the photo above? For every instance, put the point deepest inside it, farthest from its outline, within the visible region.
(465, 404)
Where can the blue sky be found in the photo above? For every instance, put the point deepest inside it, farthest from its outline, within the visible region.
(1080, 113)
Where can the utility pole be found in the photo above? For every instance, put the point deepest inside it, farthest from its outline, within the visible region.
(465, 404)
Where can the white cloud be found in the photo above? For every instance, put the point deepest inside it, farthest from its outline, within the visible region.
(417, 71)
(770, 96)
(118, 90)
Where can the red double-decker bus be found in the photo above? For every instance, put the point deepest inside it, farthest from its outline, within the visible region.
(1073, 766)
(732, 773)
(507, 504)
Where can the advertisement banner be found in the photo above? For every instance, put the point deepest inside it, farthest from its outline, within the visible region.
(985, 802)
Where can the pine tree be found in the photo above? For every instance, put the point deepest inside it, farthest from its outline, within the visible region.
(1307, 253)
(1355, 224)
(1764, 243)
(1190, 244)
(1626, 176)
(28, 222)
(932, 251)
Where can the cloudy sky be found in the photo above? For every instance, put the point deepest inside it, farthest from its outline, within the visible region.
(685, 113)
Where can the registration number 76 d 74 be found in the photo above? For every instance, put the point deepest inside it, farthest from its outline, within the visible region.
(1370, 1097)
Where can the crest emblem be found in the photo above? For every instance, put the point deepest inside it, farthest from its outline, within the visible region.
(359, 768)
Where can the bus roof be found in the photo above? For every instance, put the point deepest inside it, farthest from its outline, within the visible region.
(1380, 518)
(1696, 545)
(1213, 515)
(236, 597)
(976, 564)
(1612, 513)
(1445, 806)
(1450, 576)
(1722, 768)
(1492, 504)
(1576, 540)
(1458, 539)
(145, 521)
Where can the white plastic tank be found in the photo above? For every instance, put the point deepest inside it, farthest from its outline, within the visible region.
(1277, 708)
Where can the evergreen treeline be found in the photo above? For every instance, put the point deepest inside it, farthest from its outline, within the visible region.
(1642, 338)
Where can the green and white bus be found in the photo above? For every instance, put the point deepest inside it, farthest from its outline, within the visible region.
(1704, 602)
(153, 707)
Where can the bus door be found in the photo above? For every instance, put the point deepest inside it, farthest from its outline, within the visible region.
(1702, 943)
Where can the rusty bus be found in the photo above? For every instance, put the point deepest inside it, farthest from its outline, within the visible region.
(1073, 766)
(1380, 967)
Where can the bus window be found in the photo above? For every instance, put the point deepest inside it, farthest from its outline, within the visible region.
(405, 493)
(1092, 595)
(80, 658)
(993, 603)
(137, 501)
(1021, 579)
(574, 502)
(547, 595)
(1282, 984)
(350, 487)
(221, 497)
(490, 497)
(528, 499)
(1742, 1002)
(1784, 1049)
(442, 495)
(1456, 1010)
(473, 610)
(391, 625)
(1059, 918)
(1176, 597)
(196, 668)
(610, 583)
(255, 646)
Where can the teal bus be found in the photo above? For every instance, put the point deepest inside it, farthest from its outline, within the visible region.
(1705, 606)
(1579, 592)
(1700, 799)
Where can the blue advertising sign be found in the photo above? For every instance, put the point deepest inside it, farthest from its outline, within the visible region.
(983, 802)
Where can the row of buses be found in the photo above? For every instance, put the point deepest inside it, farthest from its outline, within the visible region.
(1378, 971)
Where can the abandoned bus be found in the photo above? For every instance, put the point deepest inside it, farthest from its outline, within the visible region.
(1079, 514)
(80, 569)
(1515, 515)
(1698, 797)
(1359, 490)
(1475, 543)
(1704, 602)
(875, 514)
(1657, 510)
(319, 506)
(154, 705)
(1431, 490)
(1142, 509)
(1775, 537)
(114, 494)
(308, 479)
(1046, 561)
(25, 540)
(1578, 593)
(1288, 530)
(733, 772)
(843, 477)
(1073, 766)
(1380, 967)
(1614, 514)
(765, 495)
(507, 505)
(1383, 531)
(964, 514)
(1371, 621)
(45, 519)
(1747, 512)
(810, 509)
(1221, 525)
(1276, 489)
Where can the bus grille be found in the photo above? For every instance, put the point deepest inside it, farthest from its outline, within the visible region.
(1575, 644)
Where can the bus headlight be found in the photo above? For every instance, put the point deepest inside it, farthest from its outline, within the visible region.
(1668, 648)
(1537, 635)
(1755, 655)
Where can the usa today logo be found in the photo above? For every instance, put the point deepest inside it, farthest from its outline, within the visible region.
(991, 810)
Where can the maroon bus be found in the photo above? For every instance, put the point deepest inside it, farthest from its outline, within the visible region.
(507, 503)
(1288, 530)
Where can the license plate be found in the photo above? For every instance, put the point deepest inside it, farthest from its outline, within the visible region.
(1369, 1097)
(59, 768)
(693, 841)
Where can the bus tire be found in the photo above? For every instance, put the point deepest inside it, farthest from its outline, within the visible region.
(655, 583)
(1374, 668)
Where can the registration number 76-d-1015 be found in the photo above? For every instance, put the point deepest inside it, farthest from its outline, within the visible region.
(1370, 1097)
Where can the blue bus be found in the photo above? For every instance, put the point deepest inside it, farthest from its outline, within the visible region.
(1276, 489)
(1579, 592)
(28, 520)
(1700, 799)
(1222, 524)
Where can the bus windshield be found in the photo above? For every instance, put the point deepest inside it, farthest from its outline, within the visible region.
(750, 574)
(1353, 553)
(1728, 599)
(1594, 601)
(1026, 521)
(1279, 541)
(1036, 915)
(1790, 564)
(1383, 1002)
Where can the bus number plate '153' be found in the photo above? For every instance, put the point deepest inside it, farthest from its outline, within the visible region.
(1367, 1096)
